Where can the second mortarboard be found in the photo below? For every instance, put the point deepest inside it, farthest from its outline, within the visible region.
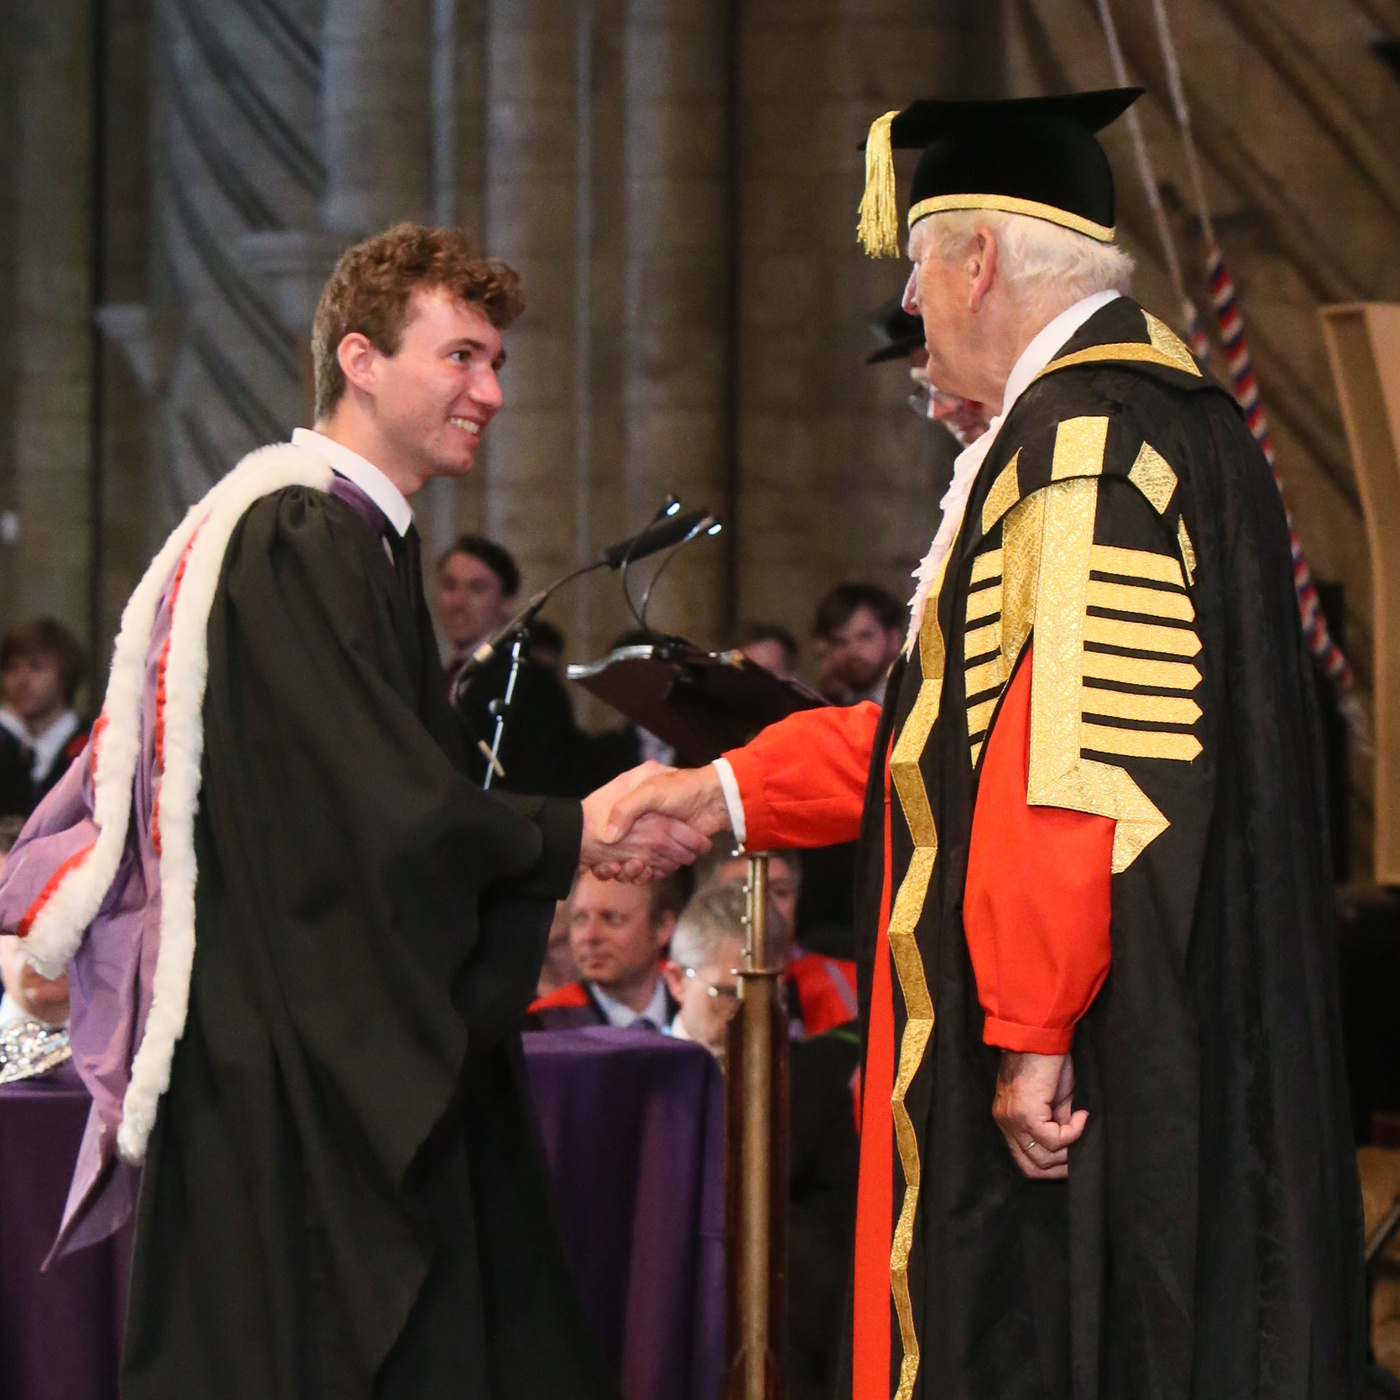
(898, 332)
(1027, 155)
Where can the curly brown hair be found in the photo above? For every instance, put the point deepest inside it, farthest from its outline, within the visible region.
(370, 288)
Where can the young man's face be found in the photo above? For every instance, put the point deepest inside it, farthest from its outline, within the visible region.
(865, 649)
(34, 687)
(615, 941)
(435, 396)
(471, 601)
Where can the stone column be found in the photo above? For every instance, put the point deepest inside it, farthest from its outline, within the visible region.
(51, 330)
(377, 112)
(676, 356)
(838, 478)
(529, 459)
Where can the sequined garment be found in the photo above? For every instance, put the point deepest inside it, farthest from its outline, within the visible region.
(28, 1048)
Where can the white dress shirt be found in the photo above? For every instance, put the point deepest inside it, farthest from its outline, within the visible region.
(622, 1016)
(1044, 346)
(343, 462)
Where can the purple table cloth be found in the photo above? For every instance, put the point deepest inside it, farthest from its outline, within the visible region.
(633, 1129)
(633, 1126)
(60, 1331)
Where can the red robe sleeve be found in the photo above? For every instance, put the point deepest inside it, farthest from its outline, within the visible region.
(802, 781)
(1037, 904)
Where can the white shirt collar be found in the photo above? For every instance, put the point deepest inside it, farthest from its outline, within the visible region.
(1043, 348)
(362, 472)
(622, 1016)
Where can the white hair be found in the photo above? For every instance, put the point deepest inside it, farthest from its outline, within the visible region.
(712, 917)
(1038, 259)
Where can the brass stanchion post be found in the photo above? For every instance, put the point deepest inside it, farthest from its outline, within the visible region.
(757, 1164)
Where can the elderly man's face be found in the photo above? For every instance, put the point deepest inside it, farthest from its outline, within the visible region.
(708, 996)
(939, 291)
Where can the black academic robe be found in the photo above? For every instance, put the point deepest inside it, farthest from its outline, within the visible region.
(1207, 1242)
(344, 1195)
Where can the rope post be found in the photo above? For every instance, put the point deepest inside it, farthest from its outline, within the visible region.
(757, 1152)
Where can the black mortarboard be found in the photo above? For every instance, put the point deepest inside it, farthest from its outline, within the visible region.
(897, 331)
(1026, 155)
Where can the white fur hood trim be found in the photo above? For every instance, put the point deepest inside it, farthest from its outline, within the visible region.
(59, 927)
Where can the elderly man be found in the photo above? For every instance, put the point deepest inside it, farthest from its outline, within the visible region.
(301, 938)
(1096, 904)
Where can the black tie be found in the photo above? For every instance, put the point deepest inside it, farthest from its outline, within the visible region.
(408, 562)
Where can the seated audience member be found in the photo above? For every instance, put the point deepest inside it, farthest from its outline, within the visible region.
(618, 935)
(27, 996)
(773, 647)
(862, 627)
(821, 989)
(707, 947)
(559, 967)
(41, 666)
(707, 950)
(478, 588)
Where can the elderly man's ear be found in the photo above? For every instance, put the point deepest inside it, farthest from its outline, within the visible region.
(981, 268)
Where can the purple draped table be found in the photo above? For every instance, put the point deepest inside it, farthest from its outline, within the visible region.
(633, 1128)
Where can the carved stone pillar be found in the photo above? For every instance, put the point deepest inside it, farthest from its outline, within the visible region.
(51, 330)
(530, 211)
(677, 290)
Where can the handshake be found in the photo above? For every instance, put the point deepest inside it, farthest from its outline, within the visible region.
(651, 820)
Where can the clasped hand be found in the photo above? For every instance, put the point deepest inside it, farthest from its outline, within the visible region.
(647, 822)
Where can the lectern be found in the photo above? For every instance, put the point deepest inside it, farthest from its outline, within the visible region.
(702, 703)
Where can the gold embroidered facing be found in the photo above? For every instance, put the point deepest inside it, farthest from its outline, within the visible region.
(1005, 492)
(1131, 350)
(1188, 551)
(904, 953)
(1153, 476)
(1059, 775)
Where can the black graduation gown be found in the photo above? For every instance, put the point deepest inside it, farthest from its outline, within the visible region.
(1208, 1240)
(344, 1195)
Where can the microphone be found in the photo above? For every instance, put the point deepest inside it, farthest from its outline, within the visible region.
(674, 530)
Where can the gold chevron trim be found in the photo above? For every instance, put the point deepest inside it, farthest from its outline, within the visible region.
(1126, 704)
(907, 909)
(1079, 448)
(1137, 670)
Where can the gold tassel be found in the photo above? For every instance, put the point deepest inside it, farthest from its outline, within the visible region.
(878, 229)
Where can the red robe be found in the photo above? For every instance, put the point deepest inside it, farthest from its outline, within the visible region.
(1039, 945)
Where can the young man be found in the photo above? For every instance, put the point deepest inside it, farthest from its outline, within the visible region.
(1095, 898)
(317, 934)
(542, 751)
(618, 935)
(41, 665)
(861, 627)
